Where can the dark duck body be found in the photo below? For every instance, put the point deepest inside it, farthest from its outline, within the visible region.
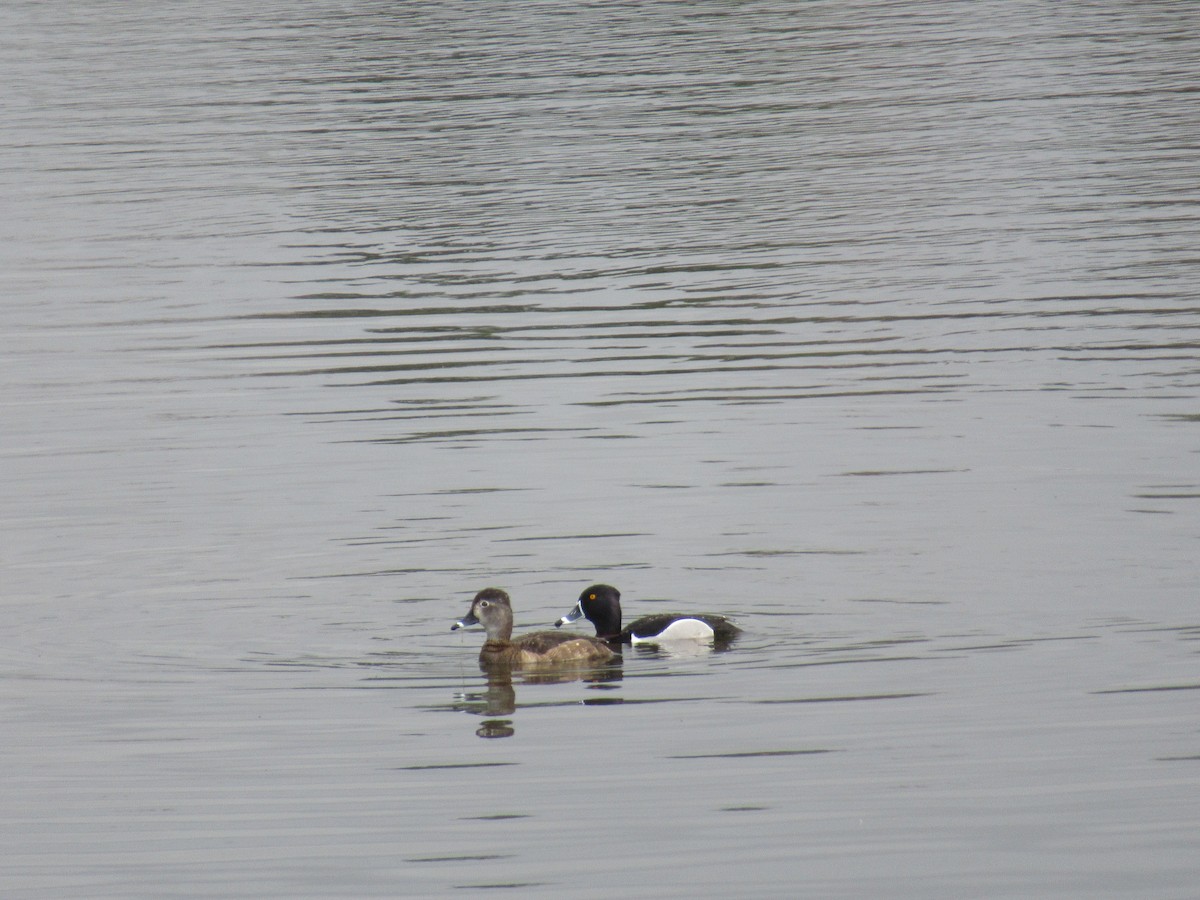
(600, 604)
(492, 609)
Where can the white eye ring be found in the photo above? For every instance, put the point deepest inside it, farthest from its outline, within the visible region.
(483, 604)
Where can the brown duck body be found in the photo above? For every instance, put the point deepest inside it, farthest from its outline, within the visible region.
(492, 609)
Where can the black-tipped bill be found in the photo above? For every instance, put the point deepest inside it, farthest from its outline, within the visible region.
(573, 616)
(468, 619)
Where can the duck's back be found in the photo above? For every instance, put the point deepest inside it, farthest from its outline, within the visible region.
(548, 647)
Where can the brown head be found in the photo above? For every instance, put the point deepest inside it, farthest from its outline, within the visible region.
(492, 609)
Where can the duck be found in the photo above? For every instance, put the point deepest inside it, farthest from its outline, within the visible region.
(492, 609)
(600, 604)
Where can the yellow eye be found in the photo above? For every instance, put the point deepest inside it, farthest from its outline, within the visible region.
(591, 596)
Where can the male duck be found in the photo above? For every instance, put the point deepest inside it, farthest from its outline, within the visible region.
(601, 605)
(492, 609)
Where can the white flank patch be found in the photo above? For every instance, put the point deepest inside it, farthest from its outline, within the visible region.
(679, 630)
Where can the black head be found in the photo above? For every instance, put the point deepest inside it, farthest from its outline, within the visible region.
(600, 604)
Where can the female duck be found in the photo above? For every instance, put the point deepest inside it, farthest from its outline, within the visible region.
(492, 609)
(601, 605)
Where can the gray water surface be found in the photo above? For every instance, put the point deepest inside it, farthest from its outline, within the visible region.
(874, 325)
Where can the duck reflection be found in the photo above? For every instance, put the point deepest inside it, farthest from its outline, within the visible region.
(679, 649)
(496, 728)
(499, 695)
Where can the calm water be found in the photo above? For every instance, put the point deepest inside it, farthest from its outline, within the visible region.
(874, 325)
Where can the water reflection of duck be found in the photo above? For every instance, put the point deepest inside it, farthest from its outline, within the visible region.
(492, 609)
(600, 604)
(500, 696)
